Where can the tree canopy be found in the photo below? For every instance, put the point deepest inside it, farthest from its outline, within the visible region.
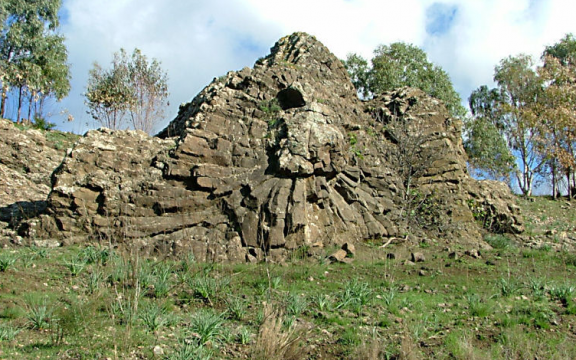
(33, 58)
(532, 110)
(401, 64)
(133, 90)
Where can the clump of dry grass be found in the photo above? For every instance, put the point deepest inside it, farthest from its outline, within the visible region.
(409, 350)
(274, 342)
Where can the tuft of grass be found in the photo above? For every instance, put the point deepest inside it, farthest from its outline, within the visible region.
(236, 308)
(477, 306)
(355, 295)
(206, 326)
(244, 335)
(508, 287)
(39, 313)
(561, 292)
(498, 241)
(161, 280)
(273, 341)
(322, 302)
(153, 316)
(190, 350)
(75, 266)
(205, 287)
(8, 333)
(295, 304)
(7, 260)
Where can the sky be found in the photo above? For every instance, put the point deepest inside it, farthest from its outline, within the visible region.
(198, 40)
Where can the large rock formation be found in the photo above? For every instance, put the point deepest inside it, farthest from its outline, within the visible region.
(270, 159)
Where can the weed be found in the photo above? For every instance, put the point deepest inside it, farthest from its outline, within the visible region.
(8, 333)
(537, 286)
(94, 281)
(389, 296)
(206, 325)
(498, 241)
(349, 337)
(205, 287)
(295, 304)
(187, 262)
(477, 306)
(322, 302)
(124, 308)
(161, 281)
(39, 313)
(355, 294)
(75, 266)
(244, 335)
(561, 292)
(6, 261)
(153, 316)
(508, 287)
(190, 350)
(236, 308)
(92, 255)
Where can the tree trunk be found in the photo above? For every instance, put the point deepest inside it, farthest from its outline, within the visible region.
(30, 108)
(554, 181)
(3, 102)
(18, 118)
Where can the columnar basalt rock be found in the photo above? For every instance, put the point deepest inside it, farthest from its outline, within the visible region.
(267, 160)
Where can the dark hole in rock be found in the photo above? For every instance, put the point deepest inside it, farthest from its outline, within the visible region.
(290, 98)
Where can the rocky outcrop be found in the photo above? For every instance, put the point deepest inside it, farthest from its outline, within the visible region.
(267, 160)
(28, 158)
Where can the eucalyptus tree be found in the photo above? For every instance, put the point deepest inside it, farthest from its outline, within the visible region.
(132, 92)
(401, 64)
(33, 58)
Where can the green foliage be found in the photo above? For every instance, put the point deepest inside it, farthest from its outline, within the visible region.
(33, 57)
(401, 64)
(42, 124)
(499, 241)
(39, 312)
(153, 316)
(206, 325)
(271, 109)
(8, 333)
(75, 266)
(508, 123)
(487, 152)
(237, 308)
(6, 261)
(133, 87)
(508, 286)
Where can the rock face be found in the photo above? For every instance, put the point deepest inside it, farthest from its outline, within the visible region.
(266, 160)
(27, 159)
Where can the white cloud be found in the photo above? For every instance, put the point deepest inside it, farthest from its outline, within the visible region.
(200, 39)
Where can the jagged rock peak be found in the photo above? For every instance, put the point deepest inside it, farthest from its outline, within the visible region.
(301, 49)
(298, 72)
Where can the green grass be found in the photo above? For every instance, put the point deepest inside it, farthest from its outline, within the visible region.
(120, 305)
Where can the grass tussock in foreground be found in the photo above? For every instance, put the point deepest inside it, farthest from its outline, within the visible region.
(94, 302)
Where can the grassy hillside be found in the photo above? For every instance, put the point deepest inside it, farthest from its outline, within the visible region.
(93, 302)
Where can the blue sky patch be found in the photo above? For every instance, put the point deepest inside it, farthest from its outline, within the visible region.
(440, 18)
